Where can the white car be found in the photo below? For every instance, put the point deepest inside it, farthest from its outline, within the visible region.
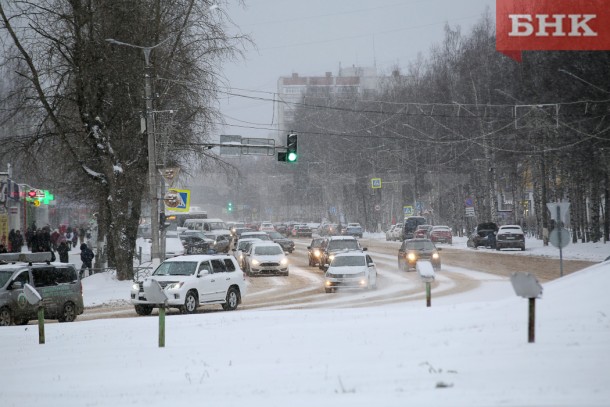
(388, 233)
(351, 270)
(397, 232)
(267, 227)
(266, 258)
(510, 237)
(191, 281)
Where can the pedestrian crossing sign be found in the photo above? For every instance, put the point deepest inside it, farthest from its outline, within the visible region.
(178, 200)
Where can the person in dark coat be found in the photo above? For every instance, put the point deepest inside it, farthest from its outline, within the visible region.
(17, 242)
(63, 251)
(86, 256)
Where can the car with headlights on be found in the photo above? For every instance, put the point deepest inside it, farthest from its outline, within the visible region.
(336, 244)
(350, 269)
(510, 237)
(413, 250)
(287, 244)
(192, 281)
(314, 250)
(240, 251)
(266, 258)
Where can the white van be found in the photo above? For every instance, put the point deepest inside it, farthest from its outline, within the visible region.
(209, 226)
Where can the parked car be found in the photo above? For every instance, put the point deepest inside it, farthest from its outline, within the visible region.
(266, 258)
(397, 233)
(287, 244)
(192, 281)
(388, 233)
(336, 244)
(315, 249)
(413, 250)
(441, 234)
(353, 269)
(483, 235)
(58, 284)
(423, 231)
(510, 237)
(353, 229)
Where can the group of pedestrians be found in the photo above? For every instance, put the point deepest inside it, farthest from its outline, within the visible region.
(61, 240)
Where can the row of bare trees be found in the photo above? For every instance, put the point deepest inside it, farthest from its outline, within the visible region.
(74, 101)
(466, 123)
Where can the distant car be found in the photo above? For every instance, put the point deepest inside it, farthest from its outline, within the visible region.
(315, 249)
(336, 244)
(510, 237)
(350, 270)
(281, 228)
(196, 242)
(302, 231)
(413, 250)
(388, 233)
(266, 258)
(410, 225)
(422, 231)
(266, 227)
(353, 229)
(484, 235)
(328, 229)
(441, 234)
(191, 281)
(287, 244)
(221, 244)
(173, 246)
(397, 232)
(255, 234)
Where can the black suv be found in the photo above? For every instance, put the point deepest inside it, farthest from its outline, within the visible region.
(336, 244)
(58, 284)
(410, 226)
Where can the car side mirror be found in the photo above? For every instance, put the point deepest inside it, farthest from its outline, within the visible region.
(16, 285)
(364, 249)
(202, 273)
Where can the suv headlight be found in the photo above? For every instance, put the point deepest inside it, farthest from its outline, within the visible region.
(255, 262)
(136, 286)
(331, 257)
(435, 256)
(316, 253)
(175, 286)
(411, 256)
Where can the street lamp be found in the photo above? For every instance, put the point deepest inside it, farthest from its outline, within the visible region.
(152, 157)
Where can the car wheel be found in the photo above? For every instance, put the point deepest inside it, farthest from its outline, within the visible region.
(497, 248)
(232, 300)
(523, 249)
(143, 310)
(190, 303)
(69, 313)
(6, 317)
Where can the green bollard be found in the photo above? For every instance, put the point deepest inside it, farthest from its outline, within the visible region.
(162, 326)
(40, 324)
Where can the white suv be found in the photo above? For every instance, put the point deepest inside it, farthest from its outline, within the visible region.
(191, 281)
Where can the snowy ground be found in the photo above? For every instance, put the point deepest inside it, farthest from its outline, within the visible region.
(472, 352)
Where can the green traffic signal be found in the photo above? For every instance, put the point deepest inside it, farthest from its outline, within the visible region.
(291, 157)
(291, 147)
(230, 207)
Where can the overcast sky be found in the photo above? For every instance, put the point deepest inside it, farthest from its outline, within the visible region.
(311, 37)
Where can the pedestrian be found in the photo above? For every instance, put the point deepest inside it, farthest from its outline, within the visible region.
(63, 251)
(75, 238)
(11, 240)
(17, 242)
(86, 256)
(69, 236)
(3, 249)
(54, 238)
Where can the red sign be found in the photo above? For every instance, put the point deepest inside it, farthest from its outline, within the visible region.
(551, 25)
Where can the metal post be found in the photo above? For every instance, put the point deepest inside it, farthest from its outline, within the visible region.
(559, 227)
(40, 324)
(152, 162)
(531, 331)
(162, 326)
(428, 294)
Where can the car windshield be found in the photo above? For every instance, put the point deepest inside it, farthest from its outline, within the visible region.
(216, 225)
(440, 229)
(262, 236)
(198, 235)
(317, 242)
(347, 261)
(343, 244)
(244, 244)
(420, 246)
(276, 235)
(176, 268)
(268, 250)
(510, 229)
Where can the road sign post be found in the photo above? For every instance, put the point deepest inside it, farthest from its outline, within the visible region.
(559, 236)
(527, 286)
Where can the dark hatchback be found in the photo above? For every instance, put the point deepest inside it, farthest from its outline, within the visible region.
(413, 250)
(287, 244)
(484, 235)
(315, 249)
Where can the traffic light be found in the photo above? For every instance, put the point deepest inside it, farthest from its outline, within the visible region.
(163, 221)
(291, 148)
(230, 206)
(32, 193)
